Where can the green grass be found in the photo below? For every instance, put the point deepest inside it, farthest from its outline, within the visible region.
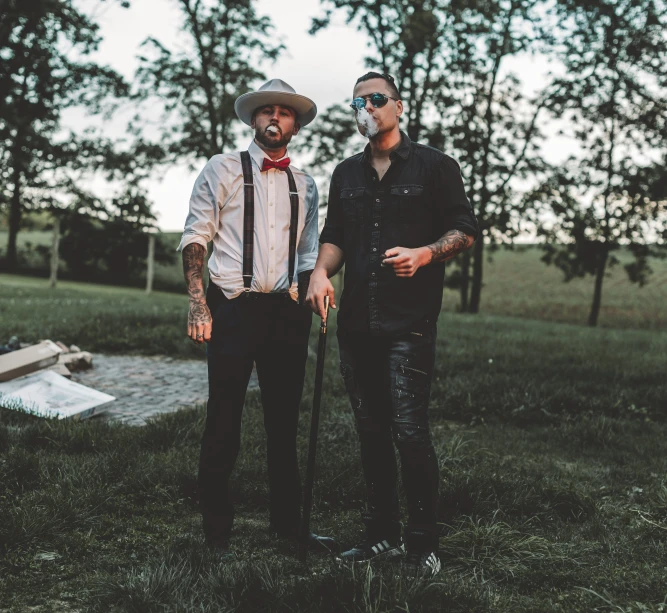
(550, 438)
(95, 317)
(102, 517)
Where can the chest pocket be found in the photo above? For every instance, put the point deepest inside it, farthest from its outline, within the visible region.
(352, 205)
(409, 202)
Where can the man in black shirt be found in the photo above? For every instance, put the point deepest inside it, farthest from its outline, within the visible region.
(396, 213)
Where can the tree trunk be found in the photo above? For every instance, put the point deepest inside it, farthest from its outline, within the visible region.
(477, 273)
(14, 221)
(485, 192)
(54, 252)
(465, 281)
(151, 263)
(597, 293)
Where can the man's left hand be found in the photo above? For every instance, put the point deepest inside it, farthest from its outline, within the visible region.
(406, 262)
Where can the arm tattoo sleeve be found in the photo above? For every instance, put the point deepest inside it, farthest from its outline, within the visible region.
(193, 269)
(450, 244)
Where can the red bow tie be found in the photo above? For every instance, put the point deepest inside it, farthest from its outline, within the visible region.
(281, 165)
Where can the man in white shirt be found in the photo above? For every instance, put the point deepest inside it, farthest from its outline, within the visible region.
(261, 215)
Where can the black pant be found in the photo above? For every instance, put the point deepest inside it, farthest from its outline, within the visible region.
(270, 330)
(388, 381)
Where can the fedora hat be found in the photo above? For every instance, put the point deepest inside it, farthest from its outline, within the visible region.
(275, 91)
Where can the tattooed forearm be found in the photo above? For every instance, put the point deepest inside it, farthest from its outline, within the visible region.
(449, 245)
(193, 269)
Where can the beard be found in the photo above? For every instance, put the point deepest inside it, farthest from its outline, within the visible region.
(272, 142)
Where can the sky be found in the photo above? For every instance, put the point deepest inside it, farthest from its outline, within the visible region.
(322, 67)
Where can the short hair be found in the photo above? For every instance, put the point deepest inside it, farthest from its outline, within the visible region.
(381, 75)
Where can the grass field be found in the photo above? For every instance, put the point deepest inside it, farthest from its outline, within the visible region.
(550, 438)
(517, 283)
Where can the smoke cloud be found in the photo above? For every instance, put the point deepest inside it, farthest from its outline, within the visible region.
(367, 123)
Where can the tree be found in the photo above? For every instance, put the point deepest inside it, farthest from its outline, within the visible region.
(43, 46)
(489, 122)
(612, 193)
(409, 41)
(449, 57)
(108, 241)
(197, 86)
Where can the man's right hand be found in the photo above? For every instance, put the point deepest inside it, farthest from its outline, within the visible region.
(319, 287)
(200, 322)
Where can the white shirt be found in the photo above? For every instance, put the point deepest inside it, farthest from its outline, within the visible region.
(216, 213)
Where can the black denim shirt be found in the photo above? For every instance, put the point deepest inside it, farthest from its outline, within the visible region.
(420, 198)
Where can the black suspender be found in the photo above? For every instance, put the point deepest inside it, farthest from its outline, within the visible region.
(294, 221)
(249, 220)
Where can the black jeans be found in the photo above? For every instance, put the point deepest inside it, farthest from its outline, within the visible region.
(271, 331)
(388, 380)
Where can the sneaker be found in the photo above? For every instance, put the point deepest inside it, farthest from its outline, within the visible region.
(369, 550)
(421, 564)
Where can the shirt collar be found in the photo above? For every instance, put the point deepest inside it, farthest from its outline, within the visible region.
(258, 155)
(403, 150)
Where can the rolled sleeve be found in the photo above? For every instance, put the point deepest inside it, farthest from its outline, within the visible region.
(455, 210)
(333, 226)
(308, 245)
(202, 220)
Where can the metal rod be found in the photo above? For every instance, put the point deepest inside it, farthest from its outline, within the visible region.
(312, 446)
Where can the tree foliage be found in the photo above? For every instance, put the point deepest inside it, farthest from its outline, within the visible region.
(196, 86)
(108, 242)
(44, 46)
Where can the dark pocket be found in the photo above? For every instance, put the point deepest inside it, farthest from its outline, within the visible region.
(409, 203)
(352, 205)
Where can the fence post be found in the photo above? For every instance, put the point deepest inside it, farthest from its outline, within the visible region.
(55, 244)
(150, 264)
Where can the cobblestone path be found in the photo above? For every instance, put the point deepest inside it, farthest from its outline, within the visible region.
(146, 386)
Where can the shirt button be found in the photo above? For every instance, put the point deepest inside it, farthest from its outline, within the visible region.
(405, 191)
(372, 274)
(270, 269)
(375, 248)
(270, 203)
(272, 248)
(377, 224)
(272, 225)
(377, 200)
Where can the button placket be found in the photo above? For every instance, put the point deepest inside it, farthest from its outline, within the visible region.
(374, 315)
(272, 229)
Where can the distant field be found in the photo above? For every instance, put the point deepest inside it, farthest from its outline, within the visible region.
(516, 284)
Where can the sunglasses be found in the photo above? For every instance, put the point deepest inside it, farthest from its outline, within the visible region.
(377, 100)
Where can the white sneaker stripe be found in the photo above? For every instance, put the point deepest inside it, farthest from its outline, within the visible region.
(385, 544)
(375, 549)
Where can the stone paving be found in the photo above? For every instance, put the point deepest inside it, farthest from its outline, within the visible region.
(146, 386)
